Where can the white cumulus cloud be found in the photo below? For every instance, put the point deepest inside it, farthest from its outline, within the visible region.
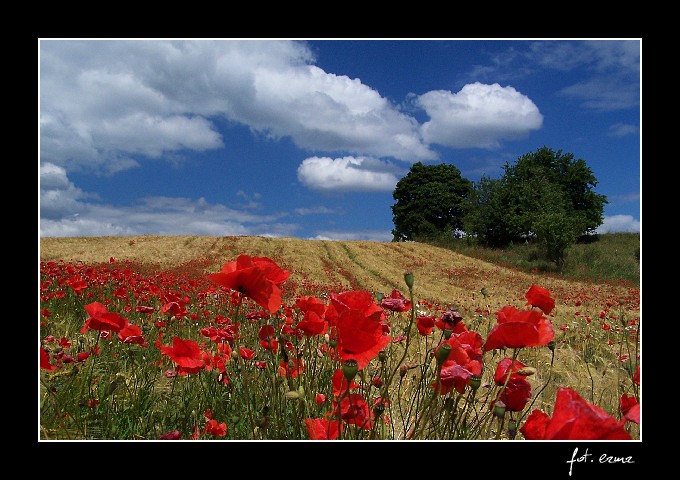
(619, 223)
(108, 104)
(347, 173)
(478, 115)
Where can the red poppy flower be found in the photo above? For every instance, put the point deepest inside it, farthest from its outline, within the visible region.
(145, 309)
(77, 284)
(517, 329)
(630, 408)
(354, 410)
(311, 304)
(45, 361)
(339, 382)
(359, 337)
(451, 320)
(292, 368)
(425, 324)
(464, 360)
(516, 394)
(322, 428)
(255, 277)
(186, 354)
(214, 428)
(312, 324)
(540, 297)
(573, 419)
(320, 398)
(503, 367)
(396, 302)
(360, 300)
(246, 353)
(171, 435)
(174, 309)
(266, 336)
(101, 319)
(132, 334)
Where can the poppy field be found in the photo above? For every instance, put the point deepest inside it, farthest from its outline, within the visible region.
(253, 338)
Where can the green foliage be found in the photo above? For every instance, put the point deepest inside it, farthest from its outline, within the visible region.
(545, 194)
(430, 200)
(611, 257)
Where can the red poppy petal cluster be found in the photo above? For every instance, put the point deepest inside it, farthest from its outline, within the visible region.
(354, 410)
(132, 334)
(425, 324)
(255, 277)
(101, 319)
(312, 324)
(45, 361)
(268, 341)
(396, 302)
(322, 428)
(186, 354)
(339, 382)
(516, 394)
(539, 297)
(464, 360)
(358, 326)
(519, 328)
(630, 408)
(573, 419)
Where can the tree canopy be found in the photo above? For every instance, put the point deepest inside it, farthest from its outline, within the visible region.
(545, 195)
(541, 194)
(430, 200)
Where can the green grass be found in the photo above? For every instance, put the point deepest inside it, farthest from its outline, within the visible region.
(610, 257)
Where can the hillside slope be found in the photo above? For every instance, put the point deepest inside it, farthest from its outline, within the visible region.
(441, 276)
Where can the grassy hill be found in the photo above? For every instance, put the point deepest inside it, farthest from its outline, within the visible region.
(442, 275)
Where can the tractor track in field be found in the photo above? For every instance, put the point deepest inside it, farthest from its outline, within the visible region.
(441, 276)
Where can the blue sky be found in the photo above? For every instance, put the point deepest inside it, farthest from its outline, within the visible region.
(308, 138)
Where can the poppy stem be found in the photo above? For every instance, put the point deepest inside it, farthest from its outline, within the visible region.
(408, 339)
(533, 400)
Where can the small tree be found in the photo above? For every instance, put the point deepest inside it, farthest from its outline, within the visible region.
(430, 200)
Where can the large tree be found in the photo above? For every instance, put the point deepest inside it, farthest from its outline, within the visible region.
(430, 200)
(546, 194)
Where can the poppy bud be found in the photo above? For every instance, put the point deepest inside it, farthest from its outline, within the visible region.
(551, 345)
(512, 428)
(402, 370)
(350, 368)
(408, 278)
(380, 297)
(475, 382)
(378, 409)
(377, 382)
(447, 333)
(442, 353)
(484, 292)
(292, 395)
(382, 356)
(525, 371)
(111, 387)
(499, 409)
